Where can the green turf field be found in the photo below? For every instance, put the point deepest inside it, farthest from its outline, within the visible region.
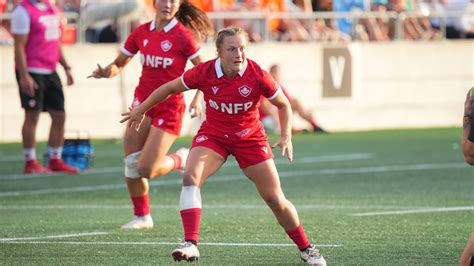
(396, 197)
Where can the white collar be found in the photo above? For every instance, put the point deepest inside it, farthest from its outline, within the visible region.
(168, 26)
(220, 73)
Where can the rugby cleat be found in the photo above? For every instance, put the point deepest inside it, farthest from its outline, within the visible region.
(139, 222)
(186, 251)
(34, 167)
(312, 256)
(58, 165)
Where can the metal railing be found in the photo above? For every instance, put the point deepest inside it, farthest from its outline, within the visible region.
(263, 20)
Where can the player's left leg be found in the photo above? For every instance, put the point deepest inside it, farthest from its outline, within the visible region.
(265, 177)
(306, 114)
(154, 161)
(54, 103)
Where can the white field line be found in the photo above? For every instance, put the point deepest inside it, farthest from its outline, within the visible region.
(164, 243)
(401, 212)
(226, 178)
(114, 170)
(205, 206)
(52, 237)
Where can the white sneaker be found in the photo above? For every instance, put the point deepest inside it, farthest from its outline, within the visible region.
(185, 251)
(312, 257)
(183, 154)
(139, 222)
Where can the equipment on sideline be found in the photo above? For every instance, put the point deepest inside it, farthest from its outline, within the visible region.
(78, 151)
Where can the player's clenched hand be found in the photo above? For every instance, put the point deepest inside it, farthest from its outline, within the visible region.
(28, 85)
(134, 117)
(100, 72)
(195, 109)
(286, 147)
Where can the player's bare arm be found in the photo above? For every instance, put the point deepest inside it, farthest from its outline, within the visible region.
(67, 68)
(112, 69)
(195, 107)
(27, 84)
(467, 132)
(135, 115)
(285, 116)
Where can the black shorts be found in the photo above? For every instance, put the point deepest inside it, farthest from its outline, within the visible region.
(48, 95)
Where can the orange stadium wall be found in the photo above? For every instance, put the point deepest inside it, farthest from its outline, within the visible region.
(391, 85)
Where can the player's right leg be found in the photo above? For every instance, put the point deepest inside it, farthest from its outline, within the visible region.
(202, 163)
(28, 131)
(137, 185)
(306, 114)
(33, 105)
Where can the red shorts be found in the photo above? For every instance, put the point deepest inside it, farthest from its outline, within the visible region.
(167, 116)
(247, 152)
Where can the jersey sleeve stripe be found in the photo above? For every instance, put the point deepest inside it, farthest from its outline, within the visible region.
(126, 52)
(275, 94)
(184, 83)
(196, 54)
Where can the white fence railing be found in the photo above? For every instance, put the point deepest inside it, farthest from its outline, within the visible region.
(263, 19)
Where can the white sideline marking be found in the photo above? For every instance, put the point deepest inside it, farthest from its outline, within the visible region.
(447, 209)
(205, 206)
(53, 236)
(112, 170)
(165, 243)
(226, 178)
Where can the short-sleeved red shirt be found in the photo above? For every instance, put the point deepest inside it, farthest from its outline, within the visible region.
(163, 55)
(231, 103)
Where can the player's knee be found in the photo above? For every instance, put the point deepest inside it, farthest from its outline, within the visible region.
(189, 179)
(275, 202)
(131, 169)
(144, 170)
(58, 117)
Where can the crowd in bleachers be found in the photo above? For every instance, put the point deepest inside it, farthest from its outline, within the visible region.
(293, 20)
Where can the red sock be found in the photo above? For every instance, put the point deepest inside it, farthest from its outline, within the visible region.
(299, 237)
(191, 220)
(141, 205)
(314, 124)
(177, 160)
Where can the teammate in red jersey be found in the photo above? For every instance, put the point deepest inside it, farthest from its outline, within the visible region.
(269, 116)
(232, 86)
(165, 44)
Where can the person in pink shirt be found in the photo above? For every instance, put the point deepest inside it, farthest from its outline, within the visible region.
(232, 86)
(165, 45)
(35, 28)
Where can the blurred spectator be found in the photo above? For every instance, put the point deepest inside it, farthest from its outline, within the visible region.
(269, 115)
(5, 36)
(414, 28)
(367, 28)
(326, 30)
(254, 28)
(284, 29)
(101, 17)
(456, 26)
(381, 6)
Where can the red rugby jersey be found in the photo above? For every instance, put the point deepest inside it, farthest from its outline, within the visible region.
(163, 54)
(231, 103)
